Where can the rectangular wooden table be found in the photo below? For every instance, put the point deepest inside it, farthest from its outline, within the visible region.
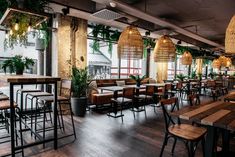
(216, 115)
(29, 79)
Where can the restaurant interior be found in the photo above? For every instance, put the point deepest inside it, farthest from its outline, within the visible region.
(115, 78)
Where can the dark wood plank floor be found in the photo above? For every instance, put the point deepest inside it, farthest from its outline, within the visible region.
(101, 136)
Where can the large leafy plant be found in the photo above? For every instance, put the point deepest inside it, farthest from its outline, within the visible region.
(80, 80)
(137, 79)
(17, 64)
(181, 77)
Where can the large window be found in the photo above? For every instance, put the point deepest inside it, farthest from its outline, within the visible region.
(103, 62)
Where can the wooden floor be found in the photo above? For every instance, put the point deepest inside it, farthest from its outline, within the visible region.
(101, 136)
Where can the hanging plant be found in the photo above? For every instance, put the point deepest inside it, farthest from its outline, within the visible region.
(19, 23)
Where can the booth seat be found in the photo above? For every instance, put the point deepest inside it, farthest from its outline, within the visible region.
(98, 98)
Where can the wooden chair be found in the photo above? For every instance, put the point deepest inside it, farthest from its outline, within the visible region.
(194, 99)
(189, 134)
(126, 98)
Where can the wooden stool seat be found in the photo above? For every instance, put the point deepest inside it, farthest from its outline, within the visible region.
(5, 104)
(36, 94)
(186, 131)
(51, 98)
(3, 97)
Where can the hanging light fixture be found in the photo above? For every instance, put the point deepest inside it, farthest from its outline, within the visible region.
(16, 27)
(186, 58)
(223, 60)
(130, 44)
(228, 62)
(216, 63)
(230, 37)
(164, 50)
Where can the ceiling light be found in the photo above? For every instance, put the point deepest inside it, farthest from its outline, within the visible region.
(16, 27)
(130, 44)
(230, 37)
(186, 58)
(164, 50)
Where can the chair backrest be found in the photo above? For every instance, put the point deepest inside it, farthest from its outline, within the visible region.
(194, 99)
(173, 102)
(65, 88)
(150, 90)
(129, 92)
(168, 86)
(179, 85)
(210, 83)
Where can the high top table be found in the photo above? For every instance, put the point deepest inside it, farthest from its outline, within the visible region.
(14, 80)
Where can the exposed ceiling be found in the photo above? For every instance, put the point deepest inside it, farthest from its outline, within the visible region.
(206, 18)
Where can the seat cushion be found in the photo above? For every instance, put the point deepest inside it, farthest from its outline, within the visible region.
(120, 83)
(186, 131)
(51, 98)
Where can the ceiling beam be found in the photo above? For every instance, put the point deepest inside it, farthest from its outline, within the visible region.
(140, 14)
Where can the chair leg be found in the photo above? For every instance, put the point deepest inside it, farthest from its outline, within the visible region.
(121, 112)
(71, 113)
(44, 124)
(21, 134)
(61, 116)
(133, 110)
(173, 147)
(203, 146)
(164, 144)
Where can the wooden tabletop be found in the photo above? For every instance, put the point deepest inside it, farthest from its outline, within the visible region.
(120, 88)
(219, 114)
(27, 78)
(155, 84)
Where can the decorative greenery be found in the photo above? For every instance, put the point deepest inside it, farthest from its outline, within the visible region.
(20, 36)
(137, 79)
(181, 77)
(199, 76)
(193, 74)
(80, 80)
(17, 64)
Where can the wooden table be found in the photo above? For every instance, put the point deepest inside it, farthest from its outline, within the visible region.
(217, 115)
(29, 79)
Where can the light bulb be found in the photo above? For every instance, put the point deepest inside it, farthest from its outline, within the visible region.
(29, 28)
(7, 35)
(11, 32)
(16, 25)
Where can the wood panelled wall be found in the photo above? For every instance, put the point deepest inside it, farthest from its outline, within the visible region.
(71, 44)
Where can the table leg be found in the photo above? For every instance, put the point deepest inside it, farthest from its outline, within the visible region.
(12, 117)
(210, 141)
(226, 141)
(55, 115)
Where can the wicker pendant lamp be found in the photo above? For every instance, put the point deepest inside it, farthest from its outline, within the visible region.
(223, 60)
(216, 63)
(228, 62)
(130, 44)
(230, 37)
(186, 58)
(164, 50)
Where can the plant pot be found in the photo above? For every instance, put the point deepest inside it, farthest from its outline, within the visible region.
(138, 84)
(79, 106)
(19, 71)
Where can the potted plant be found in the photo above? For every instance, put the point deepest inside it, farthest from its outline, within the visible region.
(79, 91)
(17, 64)
(181, 77)
(137, 79)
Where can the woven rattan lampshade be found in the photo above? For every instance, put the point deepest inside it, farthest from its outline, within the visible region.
(186, 58)
(130, 44)
(216, 63)
(164, 50)
(228, 62)
(223, 60)
(230, 37)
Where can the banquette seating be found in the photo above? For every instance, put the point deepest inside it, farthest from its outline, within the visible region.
(99, 98)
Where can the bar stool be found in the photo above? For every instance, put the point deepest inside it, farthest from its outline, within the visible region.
(4, 108)
(44, 104)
